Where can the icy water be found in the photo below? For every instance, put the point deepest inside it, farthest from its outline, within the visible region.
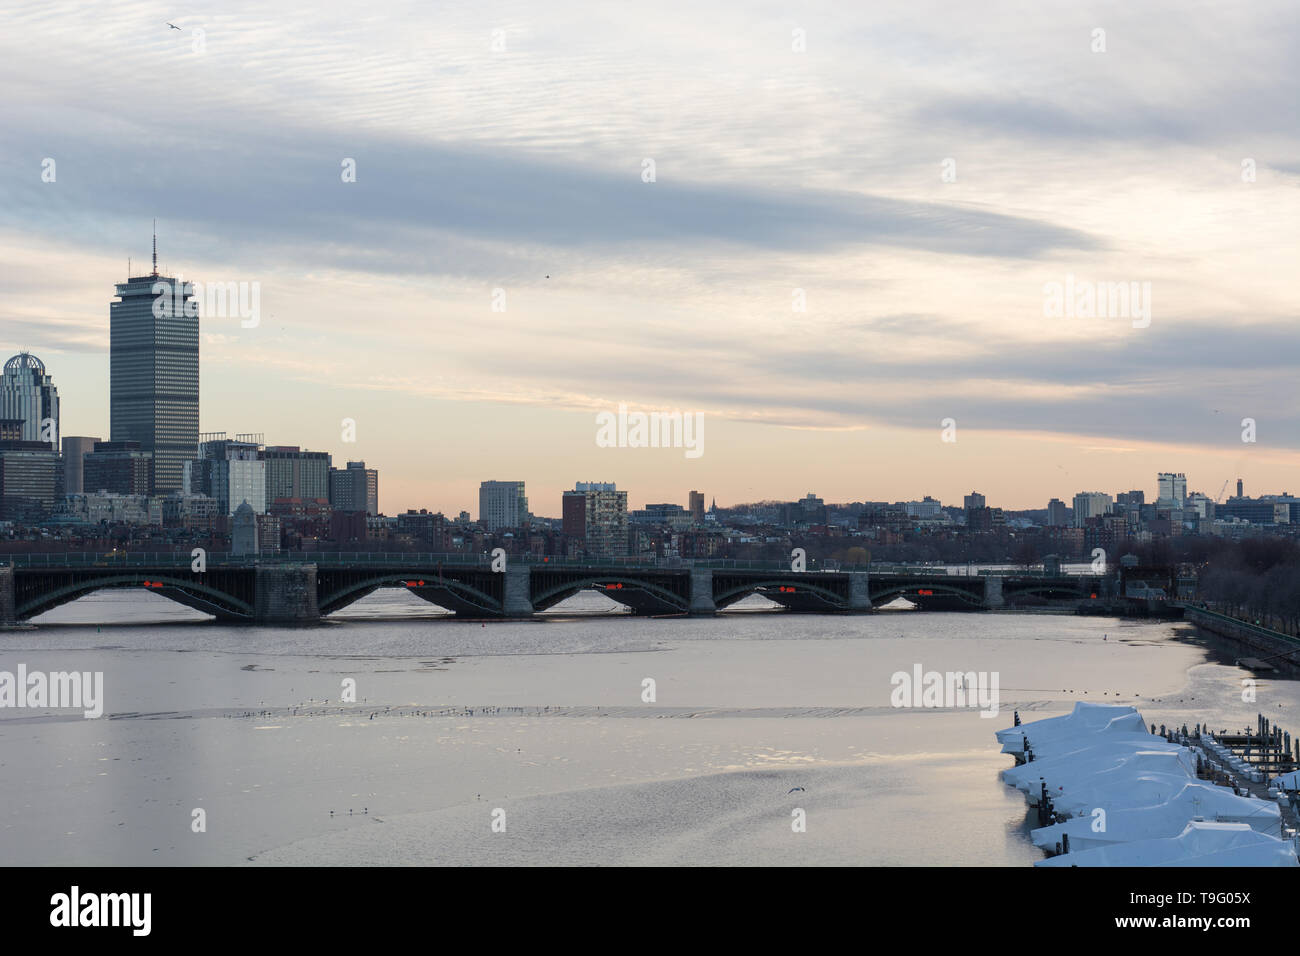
(541, 729)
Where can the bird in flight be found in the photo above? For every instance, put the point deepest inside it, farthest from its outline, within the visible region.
(173, 26)
(793, 789)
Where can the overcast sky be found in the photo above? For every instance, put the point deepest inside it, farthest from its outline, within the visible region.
(776, 169)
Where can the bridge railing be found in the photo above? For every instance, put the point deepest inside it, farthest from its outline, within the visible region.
(81, 559)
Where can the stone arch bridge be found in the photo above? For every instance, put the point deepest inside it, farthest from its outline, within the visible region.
(300, 589)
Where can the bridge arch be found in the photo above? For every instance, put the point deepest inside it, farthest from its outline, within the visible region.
(187, 591)
(910, 592)
(640, 595)
(457, 595)
(800, 584)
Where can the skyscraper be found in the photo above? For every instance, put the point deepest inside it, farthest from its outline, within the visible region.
(28, 393)
(502, 504)
(695, 504)
(1172, 489)
(154, 371)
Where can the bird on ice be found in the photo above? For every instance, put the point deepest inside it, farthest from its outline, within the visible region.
(793, 789)
(173, 26)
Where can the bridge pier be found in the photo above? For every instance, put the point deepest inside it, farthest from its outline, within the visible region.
(7, 612)
(859, 591)
(993, 591)
(516, 599)
(286, 594)
(702, 603)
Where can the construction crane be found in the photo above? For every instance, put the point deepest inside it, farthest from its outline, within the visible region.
(1222, 490)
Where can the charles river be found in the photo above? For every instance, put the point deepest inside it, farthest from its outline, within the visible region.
(542, 729)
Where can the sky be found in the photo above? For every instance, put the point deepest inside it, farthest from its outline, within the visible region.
(843, 262)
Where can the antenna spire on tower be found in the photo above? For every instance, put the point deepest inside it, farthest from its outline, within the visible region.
(155, 247)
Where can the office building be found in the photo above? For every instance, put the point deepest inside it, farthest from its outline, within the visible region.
(1255, 510)
(154, 372)
(695, 504)
(75, 448)
(502, 504)
(230, 471)
(31, 480)
(28, 393)
(117, 468)
(1172, 489)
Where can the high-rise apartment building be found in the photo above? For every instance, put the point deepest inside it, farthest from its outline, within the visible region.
(28, 393)
(1058, 514)
(154, 372)
(502, 504)
(596, 513)
(1090, 504)
(355, 488)
(695, 505)
(294, 473)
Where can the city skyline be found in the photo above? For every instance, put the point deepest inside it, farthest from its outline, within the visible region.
(919, 244)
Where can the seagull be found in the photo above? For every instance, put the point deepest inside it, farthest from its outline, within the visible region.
(173, 26)
(793, 789)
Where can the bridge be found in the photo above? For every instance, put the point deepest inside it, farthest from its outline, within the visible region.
(301, 588)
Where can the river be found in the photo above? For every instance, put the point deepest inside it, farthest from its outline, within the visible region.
(535, 742)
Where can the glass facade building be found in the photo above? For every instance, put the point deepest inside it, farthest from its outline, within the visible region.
(154, 373)
(28, 393)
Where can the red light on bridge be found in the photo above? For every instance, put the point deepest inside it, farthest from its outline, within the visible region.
(414, 584)
(925, 592)
(611, 587)
(785, 590)
(1093, 596)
